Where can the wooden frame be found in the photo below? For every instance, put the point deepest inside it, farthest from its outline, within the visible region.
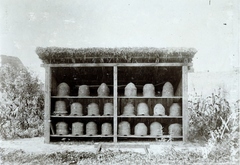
(115, 97)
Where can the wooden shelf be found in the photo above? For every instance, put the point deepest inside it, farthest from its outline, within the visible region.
(152, 117)
(143, 97)
(80, 117)
(82, 97)
(82, 136)
(148, 136)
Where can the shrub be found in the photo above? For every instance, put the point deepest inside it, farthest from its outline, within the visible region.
(21, 106)
(207, 115)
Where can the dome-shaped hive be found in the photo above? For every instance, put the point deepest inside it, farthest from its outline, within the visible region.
(103, 90)
(124, 128)
(91, 128)
(175, 110)
(83, 90)
(93, 109)
(60, 108)
(106, 129)
(77, 128)
(61, 128)
(159, 110)
(63, 89)
(156, 129)
(108, 109)
(128, 110)
(140, 129)
(167, 90)
(148, 90)
(76, 109)
(175, 129)
(142, 109)
(130, 90)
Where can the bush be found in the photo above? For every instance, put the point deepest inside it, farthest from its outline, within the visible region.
(21, 106)
(213, 120)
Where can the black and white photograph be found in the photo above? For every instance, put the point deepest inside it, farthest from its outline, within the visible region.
(119, 82)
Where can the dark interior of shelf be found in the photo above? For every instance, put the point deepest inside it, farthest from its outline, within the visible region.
(91, 76)
(140, 76)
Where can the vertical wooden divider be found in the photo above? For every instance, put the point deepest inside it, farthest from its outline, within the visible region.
(47, 105)
(115, 94)
(185, 100)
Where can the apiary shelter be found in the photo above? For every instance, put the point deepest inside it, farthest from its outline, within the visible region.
(101, 88)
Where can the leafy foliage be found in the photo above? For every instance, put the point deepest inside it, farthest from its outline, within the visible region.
(21, 105)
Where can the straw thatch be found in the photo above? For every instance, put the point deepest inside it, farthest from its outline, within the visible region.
(91, 128)
(63, 89)
(106, 129)
(175, 110)
(76, 109)
(140, 129)
(124, 128)
(60, 108)
(108, 109)
(83, 90)
(103, 90)
(93, 109)
(61, 128)
(148, 90)
(77, 128)
(99, 55)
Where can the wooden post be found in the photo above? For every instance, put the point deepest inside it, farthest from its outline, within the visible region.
(185, 100)
(115, 103)
(47, 106)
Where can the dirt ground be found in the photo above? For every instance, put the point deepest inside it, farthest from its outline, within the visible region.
(37, 145)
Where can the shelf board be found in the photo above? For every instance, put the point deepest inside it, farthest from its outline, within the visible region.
(82, 97)
(143, 97)
(82, 136)
(153, 117)
(149, 136)
(81, 117)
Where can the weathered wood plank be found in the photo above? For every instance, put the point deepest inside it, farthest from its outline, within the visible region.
(47, 105)
(115, 93)
(115, 64)
(185, 102)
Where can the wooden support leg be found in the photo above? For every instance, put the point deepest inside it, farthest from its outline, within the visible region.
(99, 148)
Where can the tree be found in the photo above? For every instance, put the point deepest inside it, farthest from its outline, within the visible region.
(21, 103)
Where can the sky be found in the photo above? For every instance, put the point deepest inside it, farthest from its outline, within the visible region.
(210, 26)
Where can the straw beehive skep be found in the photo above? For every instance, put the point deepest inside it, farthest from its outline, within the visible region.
(128, 110)
(159, 110)
(175, 110)
(108, 109)
(77, 128)
(124, 128)
(83, 90)
(148, 90)
(106, 129)
(91, 128)
(60, 107)
(142, 109)
(167, 90)
(93, 109)
(175, 129)
(156, 129)
(130, 90)
(103, 90)
(76, 109)
(140, 129)
(61, 128)
(63, 89)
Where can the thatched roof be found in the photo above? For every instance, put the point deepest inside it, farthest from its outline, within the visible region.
(54, 55)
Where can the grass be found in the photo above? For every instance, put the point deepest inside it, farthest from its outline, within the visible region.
(170, 156)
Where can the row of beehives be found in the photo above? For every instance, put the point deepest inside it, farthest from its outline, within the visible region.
(63, 89)
(128, 110)
(124, 129)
